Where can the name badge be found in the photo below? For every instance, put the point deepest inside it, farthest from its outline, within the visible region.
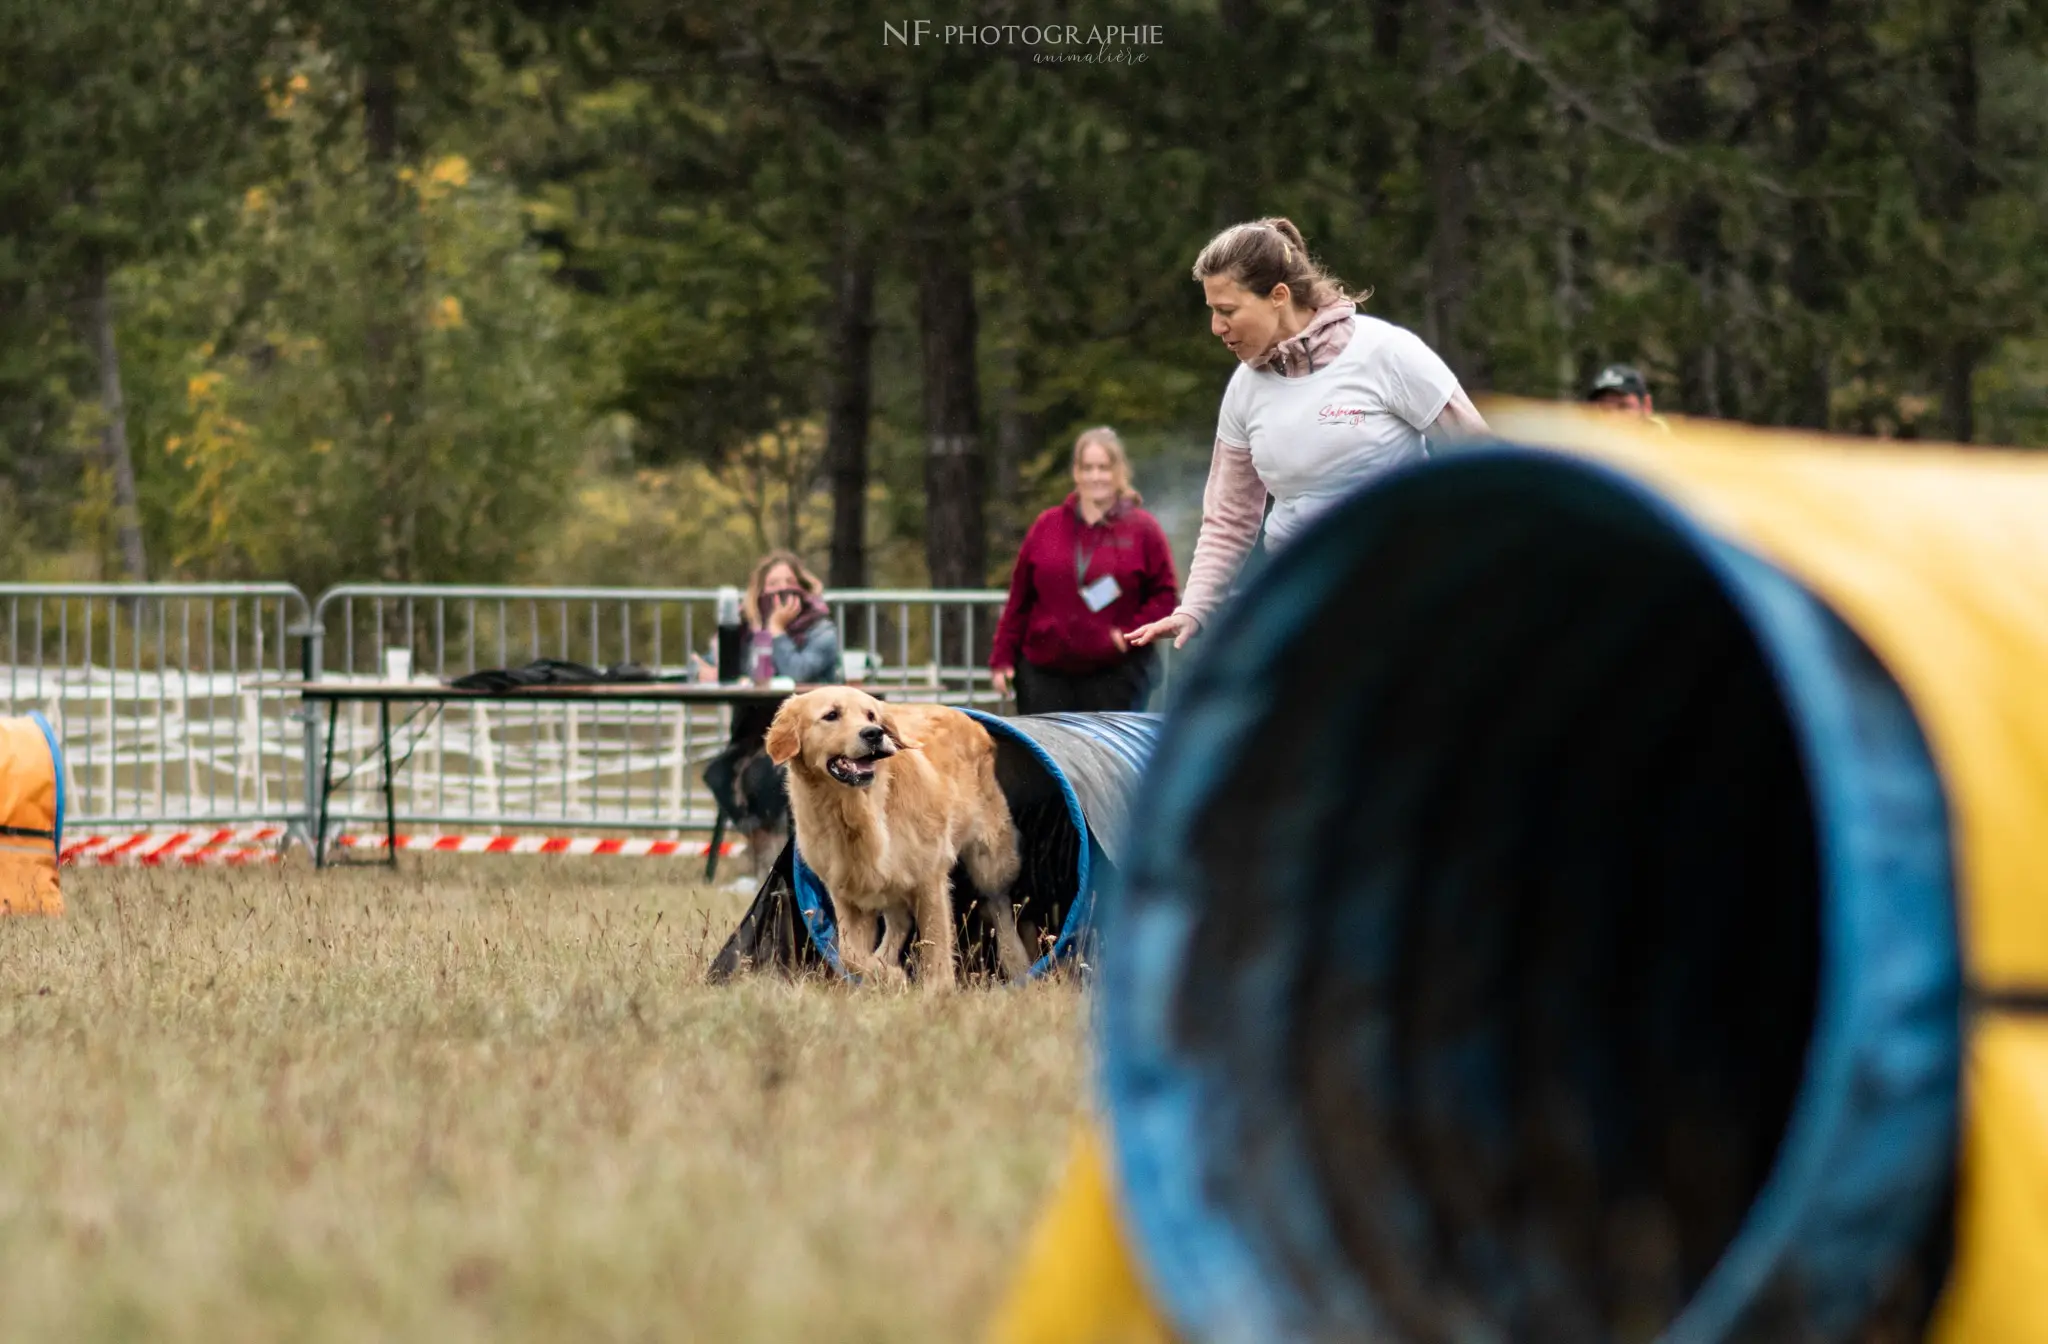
(1101, 593)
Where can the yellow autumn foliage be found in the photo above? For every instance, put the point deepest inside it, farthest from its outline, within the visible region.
(450, 171)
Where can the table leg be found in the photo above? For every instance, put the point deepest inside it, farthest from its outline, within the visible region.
(711, 853)
(326, 787)
(390, 786)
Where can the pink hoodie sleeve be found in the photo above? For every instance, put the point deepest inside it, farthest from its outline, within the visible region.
(1233, 506)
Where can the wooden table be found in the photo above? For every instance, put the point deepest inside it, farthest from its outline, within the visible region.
(385, 694)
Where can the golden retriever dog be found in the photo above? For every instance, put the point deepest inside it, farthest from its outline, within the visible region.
(886, 799)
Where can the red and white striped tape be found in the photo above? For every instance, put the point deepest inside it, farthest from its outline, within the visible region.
(149, 849)
(259, 844)
(543, 844)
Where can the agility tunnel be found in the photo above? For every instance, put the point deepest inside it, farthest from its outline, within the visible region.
(1595, 890)
(31, 817)
(1069, 780)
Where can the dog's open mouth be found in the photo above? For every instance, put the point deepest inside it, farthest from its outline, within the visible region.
(858, 771)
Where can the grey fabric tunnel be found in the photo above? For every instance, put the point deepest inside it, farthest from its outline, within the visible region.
(1069, 780)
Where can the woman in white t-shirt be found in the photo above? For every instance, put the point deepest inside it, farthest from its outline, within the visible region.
(1324, 399)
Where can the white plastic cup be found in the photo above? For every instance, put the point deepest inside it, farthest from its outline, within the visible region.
(398, 665)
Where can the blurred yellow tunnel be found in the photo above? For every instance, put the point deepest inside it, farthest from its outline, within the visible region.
(1593, 886)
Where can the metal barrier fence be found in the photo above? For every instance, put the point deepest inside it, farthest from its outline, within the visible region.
(165, 701)
(154, 692)
(633, 767)
(164, 698)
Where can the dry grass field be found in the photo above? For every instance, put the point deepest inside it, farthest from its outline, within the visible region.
(492, 1100)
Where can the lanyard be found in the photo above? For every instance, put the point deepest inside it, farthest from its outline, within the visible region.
(1084, 557)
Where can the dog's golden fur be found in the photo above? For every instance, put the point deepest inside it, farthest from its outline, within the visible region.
(885, 799)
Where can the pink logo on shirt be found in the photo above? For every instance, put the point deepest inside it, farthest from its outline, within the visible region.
(1343, 415)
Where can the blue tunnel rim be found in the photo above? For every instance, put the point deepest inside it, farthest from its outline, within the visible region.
(1151, 1096)
(825, 935)
(57, 767)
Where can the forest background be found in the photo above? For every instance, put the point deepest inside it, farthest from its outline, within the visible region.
(627, 291)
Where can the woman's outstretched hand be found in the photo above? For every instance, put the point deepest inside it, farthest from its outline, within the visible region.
(1180, 625)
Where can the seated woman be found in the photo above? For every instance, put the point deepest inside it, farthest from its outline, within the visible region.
(789, 627)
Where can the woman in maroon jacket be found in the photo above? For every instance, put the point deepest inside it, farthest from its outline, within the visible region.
(1090, 569)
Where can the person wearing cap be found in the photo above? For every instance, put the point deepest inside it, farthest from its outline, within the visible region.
(1622, 388)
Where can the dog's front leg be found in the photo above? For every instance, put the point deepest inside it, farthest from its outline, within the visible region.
(935, 934)
(857, 941)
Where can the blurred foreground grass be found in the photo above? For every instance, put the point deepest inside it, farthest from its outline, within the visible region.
(492, 1099)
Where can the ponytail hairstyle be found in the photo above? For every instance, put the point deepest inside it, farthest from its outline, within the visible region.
(1270, 252)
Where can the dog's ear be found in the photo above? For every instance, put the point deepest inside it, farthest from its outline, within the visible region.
(785, 739)
(896, 734)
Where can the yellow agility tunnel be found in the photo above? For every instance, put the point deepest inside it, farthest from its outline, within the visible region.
(31, 817)
(1591, 888)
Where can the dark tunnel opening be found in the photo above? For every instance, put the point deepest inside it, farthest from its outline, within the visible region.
(1599, 1002)
(1049, 852)
(1554, 959)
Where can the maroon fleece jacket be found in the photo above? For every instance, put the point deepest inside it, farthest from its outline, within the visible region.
(1047, 624)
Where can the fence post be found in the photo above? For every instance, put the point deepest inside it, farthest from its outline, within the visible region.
(108, 777)
(252, 747)
(485, 750)
(572, 756)
(308, 715)
(679, 754)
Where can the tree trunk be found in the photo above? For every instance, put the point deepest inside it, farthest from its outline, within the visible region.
(956, 545)
(1965, 181)
(1449, 190)
(1812, 280)
(394, 368)
(799, 474)
(380, 111)
(1680, 32)
(1958, 393)
(1370, 129)
(1388, 18)
(120, 463)
(1241, 181)
(1019, 423)
(1577, 360)
(848, 409)
(1565, 304)
(1017, 436)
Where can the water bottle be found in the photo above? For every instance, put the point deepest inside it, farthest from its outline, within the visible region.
(731, 636)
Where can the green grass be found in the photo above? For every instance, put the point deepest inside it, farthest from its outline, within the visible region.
(493, 1099)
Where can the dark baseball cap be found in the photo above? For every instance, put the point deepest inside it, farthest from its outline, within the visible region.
(1625, 379)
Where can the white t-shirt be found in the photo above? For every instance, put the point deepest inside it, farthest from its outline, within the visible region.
(1317, 437)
